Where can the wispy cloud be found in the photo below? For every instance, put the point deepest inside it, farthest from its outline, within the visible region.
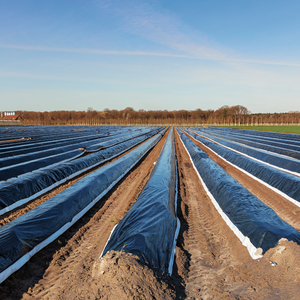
(149, 53)
(165, 28)
(162, 27)
(90, 51)
(4, 73)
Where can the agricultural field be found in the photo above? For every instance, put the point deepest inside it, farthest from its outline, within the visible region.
(295, 129)
(149, 213)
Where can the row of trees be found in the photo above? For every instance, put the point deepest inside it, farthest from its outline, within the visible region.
(226, 115)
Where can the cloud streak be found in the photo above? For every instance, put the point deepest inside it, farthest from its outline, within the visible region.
(143, 19)
(147, 20)
(60, 78)
(147, 53)
(90, 51)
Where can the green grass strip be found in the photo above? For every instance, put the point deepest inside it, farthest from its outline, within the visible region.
(283, 129)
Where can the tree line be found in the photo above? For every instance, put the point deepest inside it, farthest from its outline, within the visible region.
(226, 115)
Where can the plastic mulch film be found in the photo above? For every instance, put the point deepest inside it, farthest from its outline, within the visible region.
(282, 181)
(59, 148)
(283, 162)
(278, 147)
(17, 191)
(253, 218)
(150, 228)
(280, 142)
(26, 235)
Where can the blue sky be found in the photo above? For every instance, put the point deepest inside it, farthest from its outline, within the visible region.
(168, 54)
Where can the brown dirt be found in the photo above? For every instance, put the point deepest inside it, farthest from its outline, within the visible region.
(210, 262)
(118, 275)
(15, 140)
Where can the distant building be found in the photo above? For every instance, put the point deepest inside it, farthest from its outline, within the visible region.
(7, 113)
(12, 117)
(8, 118)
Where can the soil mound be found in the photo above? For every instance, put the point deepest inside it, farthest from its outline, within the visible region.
(275, 276)
(118, 275)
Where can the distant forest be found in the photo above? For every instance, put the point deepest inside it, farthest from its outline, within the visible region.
(226, 115)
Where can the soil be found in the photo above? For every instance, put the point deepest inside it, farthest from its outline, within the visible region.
(210, 261)
(15, 140)
(122, 276)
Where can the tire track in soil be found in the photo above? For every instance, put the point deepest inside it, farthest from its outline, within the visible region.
(286, 210)
(206, 246)
(210, 259)
(63, 269)
(21, 210)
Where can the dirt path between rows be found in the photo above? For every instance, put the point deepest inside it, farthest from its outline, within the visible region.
(15, 140)
(285, 209)
(212, 261)
(63, 270)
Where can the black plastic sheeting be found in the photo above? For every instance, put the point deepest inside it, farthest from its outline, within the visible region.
(253, 218)
(293, 145)
(94, 143)
(9, 133)
(148, 229)
(25, 167)
(12, 152)
(274, 159)
(24, 233)
(277, 135)
(121, 138)
(52, 135)
(44, 145)
(8, 162)
(285, 182)
(17, 169)
(60, 137)
(278, 148)
(28, 185)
